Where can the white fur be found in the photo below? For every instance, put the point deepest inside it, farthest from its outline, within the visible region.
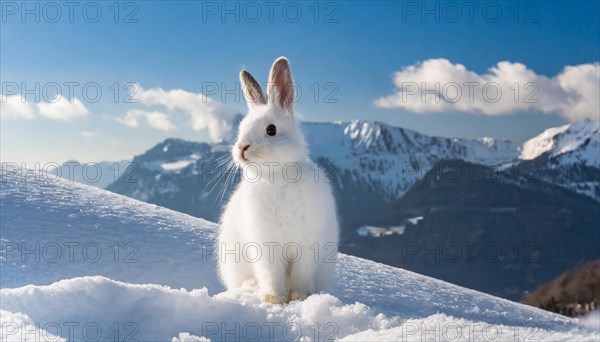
(269, 211)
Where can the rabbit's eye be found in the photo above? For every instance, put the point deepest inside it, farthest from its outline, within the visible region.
(271, 130)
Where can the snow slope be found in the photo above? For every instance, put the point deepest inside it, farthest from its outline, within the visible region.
(79, 263)
(568, 156)
(570, 144)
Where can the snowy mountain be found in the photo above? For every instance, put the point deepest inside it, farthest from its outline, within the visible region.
(388, 159)
(80, 263)
(374, 160)
(568, 156)
(569, 144)
(367, 159)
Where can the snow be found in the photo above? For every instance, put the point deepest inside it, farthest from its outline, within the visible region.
(540, 144)
(379, 231)
(186, 337)
(391, 159)
(575, 143)
(567, 149)
(137, 271)
(591, 320)
(441, 327)
(387, 231)
(178, 165)
(415, 220)
(173, 165)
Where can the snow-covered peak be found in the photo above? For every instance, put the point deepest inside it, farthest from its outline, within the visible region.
(488, 141)
(389, 159)
(378, 137)
(540, 144)
(582, 137)
(368, 133)
(172, 149)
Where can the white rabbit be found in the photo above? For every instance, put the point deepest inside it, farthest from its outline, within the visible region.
(280, 227)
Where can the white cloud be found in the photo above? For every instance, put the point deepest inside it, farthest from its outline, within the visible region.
(583, 82)
(158, 120)
(62, 109)
(154, 119)
(129, 119)
(437, 85)
(12, 107)
(202, 112)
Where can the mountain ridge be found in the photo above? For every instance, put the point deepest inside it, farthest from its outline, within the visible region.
(387, 160)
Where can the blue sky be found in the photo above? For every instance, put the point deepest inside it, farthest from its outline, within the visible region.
(350, 52)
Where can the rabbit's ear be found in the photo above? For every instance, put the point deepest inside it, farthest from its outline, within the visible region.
(252, 90)
(281, 84)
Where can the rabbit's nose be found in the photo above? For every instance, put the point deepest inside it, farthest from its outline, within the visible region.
(243, 149)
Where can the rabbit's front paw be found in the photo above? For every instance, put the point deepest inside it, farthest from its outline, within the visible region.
(295, 295)
(274, 299)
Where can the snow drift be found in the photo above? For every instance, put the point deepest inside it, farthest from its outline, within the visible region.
(81, 263)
